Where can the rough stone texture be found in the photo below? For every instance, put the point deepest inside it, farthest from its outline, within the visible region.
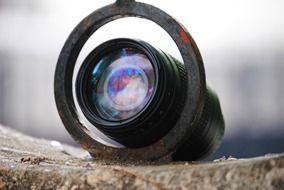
(29, 163)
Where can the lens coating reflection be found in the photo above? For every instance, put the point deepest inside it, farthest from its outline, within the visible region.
(122, 83)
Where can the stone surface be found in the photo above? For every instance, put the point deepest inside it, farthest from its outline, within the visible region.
(30, 163)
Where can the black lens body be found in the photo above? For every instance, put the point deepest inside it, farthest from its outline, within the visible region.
(143, 104)
(161, 112)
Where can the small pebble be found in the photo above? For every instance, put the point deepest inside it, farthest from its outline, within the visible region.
(55, 144)
(220, 159)
(231, 158)
(88, 165)
(25, 159)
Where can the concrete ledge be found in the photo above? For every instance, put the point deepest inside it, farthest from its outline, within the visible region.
(30, 163)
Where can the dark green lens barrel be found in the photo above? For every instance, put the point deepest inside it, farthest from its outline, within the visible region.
(208, 132)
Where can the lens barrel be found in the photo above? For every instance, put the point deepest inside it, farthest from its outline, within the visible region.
(208, 132)
(135, 93)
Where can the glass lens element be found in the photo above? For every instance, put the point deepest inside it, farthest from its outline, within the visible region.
(122, 83)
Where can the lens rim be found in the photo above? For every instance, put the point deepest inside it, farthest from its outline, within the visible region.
(92, 61)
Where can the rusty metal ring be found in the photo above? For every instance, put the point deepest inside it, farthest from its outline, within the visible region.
(191, 58)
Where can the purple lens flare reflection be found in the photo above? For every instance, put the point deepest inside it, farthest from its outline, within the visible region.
(122, 84)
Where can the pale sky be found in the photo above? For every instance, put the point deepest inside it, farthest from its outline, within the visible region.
(215, 25)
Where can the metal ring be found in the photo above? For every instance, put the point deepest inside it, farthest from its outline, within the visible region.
(64, 73)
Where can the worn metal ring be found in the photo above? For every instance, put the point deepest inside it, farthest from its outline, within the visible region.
(163, 149)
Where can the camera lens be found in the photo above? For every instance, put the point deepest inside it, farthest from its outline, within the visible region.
(121, 84)
(135, 94)
(131, 91)
(148, 105)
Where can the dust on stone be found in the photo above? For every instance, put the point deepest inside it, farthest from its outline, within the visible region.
(36, 161)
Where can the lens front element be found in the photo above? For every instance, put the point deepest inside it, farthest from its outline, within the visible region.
(121, 84)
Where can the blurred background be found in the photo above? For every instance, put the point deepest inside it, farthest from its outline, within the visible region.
(241, 41)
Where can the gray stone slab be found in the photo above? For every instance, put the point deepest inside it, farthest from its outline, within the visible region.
(30, 163)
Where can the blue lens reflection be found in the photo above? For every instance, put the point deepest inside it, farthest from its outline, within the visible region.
(122, 84)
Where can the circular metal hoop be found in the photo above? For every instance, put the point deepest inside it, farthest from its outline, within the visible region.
(64, 73)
